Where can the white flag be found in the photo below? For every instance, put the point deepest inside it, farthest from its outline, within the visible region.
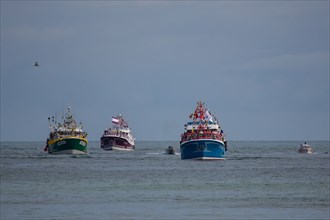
(115, 120)
(208, 116)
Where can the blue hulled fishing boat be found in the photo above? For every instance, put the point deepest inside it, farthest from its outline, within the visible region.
(203, 137)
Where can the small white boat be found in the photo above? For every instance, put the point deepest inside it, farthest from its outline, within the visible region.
(305, 149)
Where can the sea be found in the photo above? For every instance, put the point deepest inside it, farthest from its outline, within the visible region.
(258, 180)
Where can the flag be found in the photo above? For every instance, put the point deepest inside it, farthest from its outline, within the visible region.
(115, 120)
(208, 116)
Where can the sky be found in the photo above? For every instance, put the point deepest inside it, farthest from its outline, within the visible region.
(261, 67)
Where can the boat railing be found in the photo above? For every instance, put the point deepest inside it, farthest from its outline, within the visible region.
(116, 132)
(204, 135)
(63, 134)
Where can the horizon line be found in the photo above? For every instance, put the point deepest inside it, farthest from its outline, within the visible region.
(169, 140)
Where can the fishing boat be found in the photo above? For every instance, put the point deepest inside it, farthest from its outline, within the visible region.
(203, 137)
(67, 137)
(119, 137)
(305, 149)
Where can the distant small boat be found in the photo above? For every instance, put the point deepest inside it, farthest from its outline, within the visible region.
(119, 137)
(305, 149)
(170, 150)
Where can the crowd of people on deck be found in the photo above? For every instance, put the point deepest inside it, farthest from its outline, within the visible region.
(116, 132)
(203, 134)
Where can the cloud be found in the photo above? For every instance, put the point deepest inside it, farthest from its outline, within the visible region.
(153, 61)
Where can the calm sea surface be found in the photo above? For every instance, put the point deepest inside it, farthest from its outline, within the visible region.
(259, 180)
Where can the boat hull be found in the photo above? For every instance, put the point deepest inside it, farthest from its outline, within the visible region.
(116, 143)
(70, 145)
(305, 149)
(170, 151)
(203, 149)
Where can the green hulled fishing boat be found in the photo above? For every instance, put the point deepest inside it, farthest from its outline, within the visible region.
(67, 137)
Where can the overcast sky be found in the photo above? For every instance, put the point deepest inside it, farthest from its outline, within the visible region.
(262, 67)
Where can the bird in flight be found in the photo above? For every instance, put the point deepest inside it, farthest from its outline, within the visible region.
(36, 64)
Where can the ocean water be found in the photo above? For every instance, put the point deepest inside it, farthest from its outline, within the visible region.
(259, 180)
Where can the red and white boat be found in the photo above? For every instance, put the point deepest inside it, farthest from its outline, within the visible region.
(119, 137)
